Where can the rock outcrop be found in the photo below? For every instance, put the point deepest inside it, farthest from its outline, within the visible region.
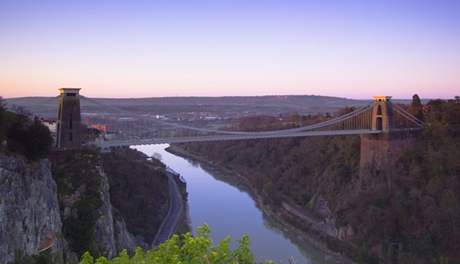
(90, 221)
(104, 232)
(30, 222)
(138, 191)
(59, 208)
(110, 232)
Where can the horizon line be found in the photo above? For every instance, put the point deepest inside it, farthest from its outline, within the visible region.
(226, 96)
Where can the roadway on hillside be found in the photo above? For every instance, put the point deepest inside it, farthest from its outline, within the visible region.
(169, 224)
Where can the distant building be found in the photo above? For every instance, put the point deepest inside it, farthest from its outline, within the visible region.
(457, 99)
(100, 127)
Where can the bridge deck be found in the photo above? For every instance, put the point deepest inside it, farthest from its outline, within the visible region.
(172, 140)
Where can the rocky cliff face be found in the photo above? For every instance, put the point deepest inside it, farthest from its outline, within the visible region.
(110, 232)
(90, 220)
(138, 191)
(62, 208)
(29, 211)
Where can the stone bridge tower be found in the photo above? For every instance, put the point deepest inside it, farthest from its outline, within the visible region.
(380, 152)
(69, 119)
(382, 114)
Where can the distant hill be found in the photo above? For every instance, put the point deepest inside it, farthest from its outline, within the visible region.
(272, 105)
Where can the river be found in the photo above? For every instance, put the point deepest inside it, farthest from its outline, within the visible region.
(232, 212)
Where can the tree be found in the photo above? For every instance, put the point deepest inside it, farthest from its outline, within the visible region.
(30, 138)
(416, 108)
(39, 140)
(186, 249)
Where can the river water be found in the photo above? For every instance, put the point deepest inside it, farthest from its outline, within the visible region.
(230, 211)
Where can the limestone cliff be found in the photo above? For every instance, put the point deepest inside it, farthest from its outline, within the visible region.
(138, 191)
(51, 211)
(110, 232)
(29, 211)
(90, 221)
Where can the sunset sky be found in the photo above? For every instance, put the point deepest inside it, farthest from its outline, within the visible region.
(237, 47)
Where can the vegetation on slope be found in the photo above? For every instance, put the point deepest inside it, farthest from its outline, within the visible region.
(138, 190)
(185, 249)
(410, 215)
(23, 135)
(78, 181)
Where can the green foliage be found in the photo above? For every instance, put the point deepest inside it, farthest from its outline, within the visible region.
(188, 249)
(87, 258)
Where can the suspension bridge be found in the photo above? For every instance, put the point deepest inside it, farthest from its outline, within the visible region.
(379, 117)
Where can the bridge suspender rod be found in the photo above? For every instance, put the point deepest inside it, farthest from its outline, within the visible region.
(410, 118)
(336, 120)
(365, 119)
(292, 130)
(408, 115)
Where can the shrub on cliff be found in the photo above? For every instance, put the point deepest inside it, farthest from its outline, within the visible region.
(76, 174)
(23, 135)
(30, 138)
(185, 249)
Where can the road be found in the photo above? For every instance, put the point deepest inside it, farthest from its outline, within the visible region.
(173, 140)
(169, 224)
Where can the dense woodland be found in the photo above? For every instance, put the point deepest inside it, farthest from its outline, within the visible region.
(411, 214)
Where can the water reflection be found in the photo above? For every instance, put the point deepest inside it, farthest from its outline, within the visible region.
(229, 210)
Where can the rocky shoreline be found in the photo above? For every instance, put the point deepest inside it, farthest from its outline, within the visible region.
(283, 215)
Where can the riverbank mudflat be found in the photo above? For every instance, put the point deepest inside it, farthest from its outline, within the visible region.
(299, 226)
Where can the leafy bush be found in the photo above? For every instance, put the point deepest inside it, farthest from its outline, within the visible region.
(30, 138)
(184, 249)
(23, 135)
